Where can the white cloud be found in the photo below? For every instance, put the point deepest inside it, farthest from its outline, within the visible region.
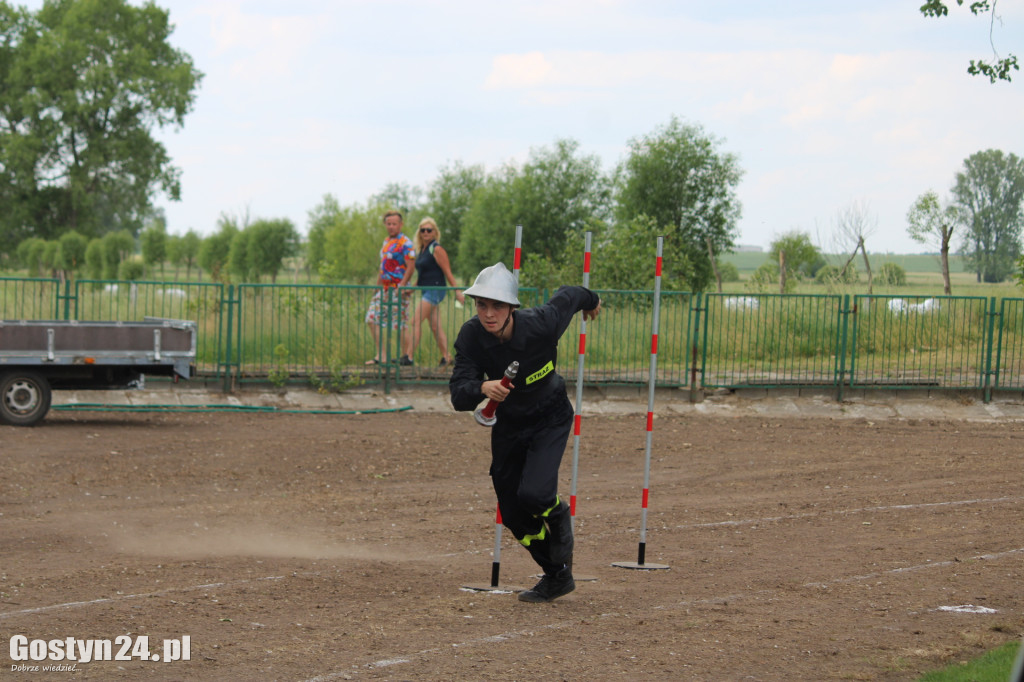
(511, 71)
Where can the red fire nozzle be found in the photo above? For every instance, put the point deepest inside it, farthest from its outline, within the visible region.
(485, 415)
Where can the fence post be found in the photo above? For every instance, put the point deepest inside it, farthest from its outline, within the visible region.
(695, 312)
(844, 323)
(989, 343)
(66, 297)
(227, 302)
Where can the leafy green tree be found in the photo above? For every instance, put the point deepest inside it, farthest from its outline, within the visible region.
(239, 263)
(189, 252)
(153, 243)
(49, 259)
(989, 193)
(321, 217)
(117, 247)
(802, 257)
(270, 243)
(449, 199)
(555, 194)
(174, 256)
(677, 177)
(624, 258)
(766, 278)
(71, 251)
(401, 197)
(729, 272)
(94, 258)
(352, 237)
(213, 252)
(1000, 67)
(30, 255)
(931, 223)
(85, 83)
(183, 250)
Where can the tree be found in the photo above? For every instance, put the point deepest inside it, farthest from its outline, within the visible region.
(321, 217)
(94, 258)
(85, 85)
(853, 225)
(213, 252)
(802, 257)
(989, 192)
(117, 247)
(352, 238)
(556, 193)
(239, 263)
(153, 243)
(183, 250)
(71, 251)
(270, 242)
(624, 259)
(30, 254)
(1000, 67)
(190, 243)
(928, 222)
(449, 199)
(677, 177)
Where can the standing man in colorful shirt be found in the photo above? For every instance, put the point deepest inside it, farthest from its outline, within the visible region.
(397, 261)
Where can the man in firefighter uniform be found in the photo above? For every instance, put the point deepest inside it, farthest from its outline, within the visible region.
(534, 415)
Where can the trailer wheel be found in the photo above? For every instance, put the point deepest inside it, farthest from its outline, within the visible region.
(24, 398)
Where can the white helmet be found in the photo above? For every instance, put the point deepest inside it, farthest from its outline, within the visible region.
(496, 283)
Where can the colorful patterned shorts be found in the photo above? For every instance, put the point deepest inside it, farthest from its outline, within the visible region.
(379, 314)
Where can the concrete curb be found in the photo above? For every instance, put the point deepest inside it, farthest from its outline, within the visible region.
(605, 401)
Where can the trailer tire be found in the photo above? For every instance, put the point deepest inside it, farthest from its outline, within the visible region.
(24, 398)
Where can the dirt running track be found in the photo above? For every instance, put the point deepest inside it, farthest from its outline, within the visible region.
(334, 547)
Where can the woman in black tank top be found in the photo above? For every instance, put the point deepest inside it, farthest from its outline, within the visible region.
(432, 270)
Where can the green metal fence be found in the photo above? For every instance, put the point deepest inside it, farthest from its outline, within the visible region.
(317, 333)
(1009, 360)
(940, 341)
(771, 340)
(618, 344)
(29, 299)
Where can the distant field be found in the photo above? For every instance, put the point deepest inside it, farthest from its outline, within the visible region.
(924, 276)
(747, 262)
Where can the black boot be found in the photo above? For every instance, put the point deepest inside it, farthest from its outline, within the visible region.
(551, 586)
(559, 523)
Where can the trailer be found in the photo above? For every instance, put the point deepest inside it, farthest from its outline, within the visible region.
(40, 356)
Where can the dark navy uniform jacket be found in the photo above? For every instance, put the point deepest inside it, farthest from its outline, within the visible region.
(534, 344)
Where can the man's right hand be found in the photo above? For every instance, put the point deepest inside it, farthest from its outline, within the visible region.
(494, 390)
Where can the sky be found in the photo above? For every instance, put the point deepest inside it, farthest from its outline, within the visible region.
(827, 105)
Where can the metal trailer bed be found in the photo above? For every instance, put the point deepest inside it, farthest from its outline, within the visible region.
(38, 356)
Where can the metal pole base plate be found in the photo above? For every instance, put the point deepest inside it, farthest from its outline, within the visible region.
(640, 567)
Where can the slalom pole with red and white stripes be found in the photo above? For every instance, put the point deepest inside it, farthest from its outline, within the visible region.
(641, 553)
(577, 424)
(495, 585)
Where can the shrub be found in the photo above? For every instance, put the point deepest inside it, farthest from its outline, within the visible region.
(891, 274)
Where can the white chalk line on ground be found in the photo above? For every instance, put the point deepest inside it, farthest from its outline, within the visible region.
(397, 660)
(839, 512)
(515, 634)
(847, 512)
(143, 595)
